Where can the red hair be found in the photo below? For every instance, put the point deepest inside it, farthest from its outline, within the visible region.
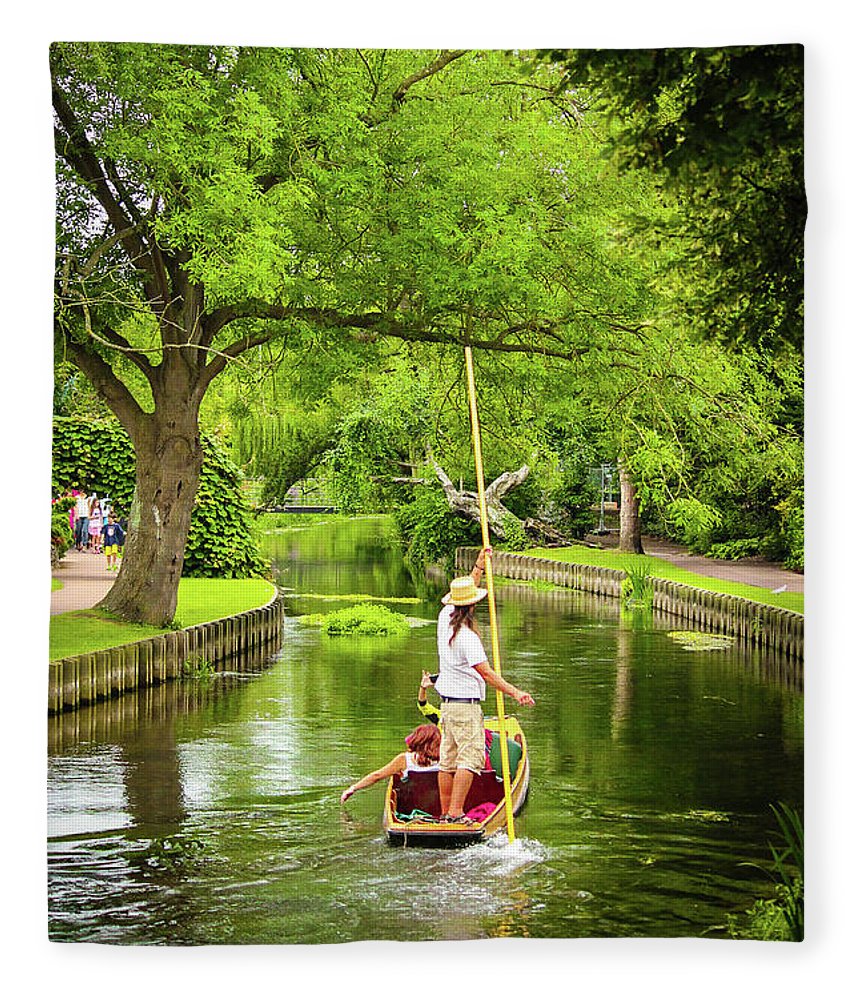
(424, 743)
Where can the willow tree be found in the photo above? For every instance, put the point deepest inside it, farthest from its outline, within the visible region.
(212, 200)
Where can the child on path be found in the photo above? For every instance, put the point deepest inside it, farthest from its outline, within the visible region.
(96, 526)
(114, 538)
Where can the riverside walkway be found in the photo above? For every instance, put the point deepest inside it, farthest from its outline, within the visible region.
(85, 581)
(754, 572)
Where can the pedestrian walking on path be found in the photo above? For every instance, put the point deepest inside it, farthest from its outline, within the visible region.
(82, 521)
(96, 526)
(114, 538)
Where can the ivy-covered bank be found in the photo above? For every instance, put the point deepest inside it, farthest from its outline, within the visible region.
(97, 456)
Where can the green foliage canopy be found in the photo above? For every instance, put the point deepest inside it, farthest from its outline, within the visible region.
(724, 129)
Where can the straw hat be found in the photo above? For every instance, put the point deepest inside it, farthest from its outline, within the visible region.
(463, 591)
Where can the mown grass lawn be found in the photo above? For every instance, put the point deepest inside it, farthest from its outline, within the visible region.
(663, 570)
(199, 601)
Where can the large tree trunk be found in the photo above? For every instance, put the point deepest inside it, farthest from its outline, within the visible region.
(630, 539)
(169, 456)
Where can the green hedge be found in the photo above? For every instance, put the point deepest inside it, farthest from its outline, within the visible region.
(95, 456)
(98, 456)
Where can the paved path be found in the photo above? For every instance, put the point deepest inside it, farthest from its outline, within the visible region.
(755, 572)
(85, 581)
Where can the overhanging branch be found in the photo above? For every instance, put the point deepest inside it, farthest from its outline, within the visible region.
(387, 325)
(76, 150)
(443, 59)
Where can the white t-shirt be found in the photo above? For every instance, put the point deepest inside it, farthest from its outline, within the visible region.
(457, 678)
(413, 765)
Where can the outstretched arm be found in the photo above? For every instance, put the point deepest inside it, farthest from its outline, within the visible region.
(392, 767)
(493, 679)
(426, 682)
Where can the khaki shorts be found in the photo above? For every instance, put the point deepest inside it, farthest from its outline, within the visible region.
(462, 725)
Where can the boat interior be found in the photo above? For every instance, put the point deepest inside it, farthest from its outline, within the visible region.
(420, 789)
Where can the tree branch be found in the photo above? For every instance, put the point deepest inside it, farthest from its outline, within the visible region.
(231, 353)
(385, 325)
(112, 390)
(505, 483)
(75, 149)
(445, 57)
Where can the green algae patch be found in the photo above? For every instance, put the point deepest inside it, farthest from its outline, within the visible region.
(707, 816)
(360, 619)
(701, 641)
(312, 621)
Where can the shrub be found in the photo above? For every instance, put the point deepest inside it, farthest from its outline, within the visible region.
(223, 540)
(780, 918)
(569, 497)
(93, 454)
(61, 531)
(515, 534)
(62, 536)
(740, 548)
(430, 532)
(790, 513)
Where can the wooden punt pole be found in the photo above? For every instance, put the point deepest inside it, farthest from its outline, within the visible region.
(491, 596)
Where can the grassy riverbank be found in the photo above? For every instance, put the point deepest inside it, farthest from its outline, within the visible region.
(199, 601)
(663, 570)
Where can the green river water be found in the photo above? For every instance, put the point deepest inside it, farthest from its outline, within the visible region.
(208, 812)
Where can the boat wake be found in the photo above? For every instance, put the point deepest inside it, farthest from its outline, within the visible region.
(498, 856)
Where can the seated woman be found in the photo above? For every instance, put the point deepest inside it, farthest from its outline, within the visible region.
(422, 754)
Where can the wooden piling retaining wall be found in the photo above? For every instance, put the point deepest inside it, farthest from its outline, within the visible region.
(774, 629)
(228, 642)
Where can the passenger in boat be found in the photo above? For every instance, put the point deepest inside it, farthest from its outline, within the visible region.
(464, 672)
(430, 712)
(422, 754)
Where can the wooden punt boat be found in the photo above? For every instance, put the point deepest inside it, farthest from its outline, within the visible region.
(419, 791)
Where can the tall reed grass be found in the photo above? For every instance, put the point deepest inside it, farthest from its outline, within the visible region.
(637, 588)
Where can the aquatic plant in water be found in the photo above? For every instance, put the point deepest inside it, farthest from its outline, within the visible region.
(637, 587)
(780, 918)
(700, 641)
(361, 619)
(200, 668)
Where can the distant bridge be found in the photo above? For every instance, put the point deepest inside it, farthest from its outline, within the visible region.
(317, 507)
